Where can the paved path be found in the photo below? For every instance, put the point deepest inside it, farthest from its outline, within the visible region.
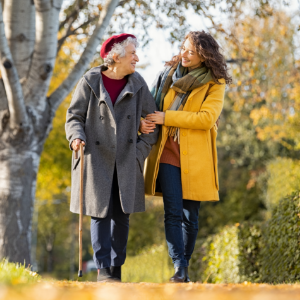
(149, 291)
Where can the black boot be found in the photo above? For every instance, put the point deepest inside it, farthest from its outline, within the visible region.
(116, 273)
(187, 275)
(180, 275)
(104, 275)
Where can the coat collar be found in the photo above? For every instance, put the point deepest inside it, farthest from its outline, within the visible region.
(94, 79)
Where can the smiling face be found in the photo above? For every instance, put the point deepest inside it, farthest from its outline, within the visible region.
(127, 63)
(190, 58)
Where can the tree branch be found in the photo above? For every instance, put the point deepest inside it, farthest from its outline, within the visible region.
(65, 88)
(20, 32)
(15, 99)
(74, 13)
(70, 32)
(37, 83)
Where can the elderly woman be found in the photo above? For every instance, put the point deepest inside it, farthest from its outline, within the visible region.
(104, 115)
(189, 93)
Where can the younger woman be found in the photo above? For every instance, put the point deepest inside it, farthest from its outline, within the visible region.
(189, 93)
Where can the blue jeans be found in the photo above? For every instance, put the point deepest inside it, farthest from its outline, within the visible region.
(109, 235)
(181, 216)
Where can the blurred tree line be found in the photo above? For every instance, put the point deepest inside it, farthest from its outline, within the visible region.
(258, 139)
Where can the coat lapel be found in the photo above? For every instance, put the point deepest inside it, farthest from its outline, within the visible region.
(94, 80)
(131, 88)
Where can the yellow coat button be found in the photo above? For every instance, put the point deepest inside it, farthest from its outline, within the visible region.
(184, 152)
(184, 133)
(186, 171)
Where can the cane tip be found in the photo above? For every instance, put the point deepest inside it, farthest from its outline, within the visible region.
(80, 273)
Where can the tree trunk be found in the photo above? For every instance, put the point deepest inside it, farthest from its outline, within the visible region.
(17, 188)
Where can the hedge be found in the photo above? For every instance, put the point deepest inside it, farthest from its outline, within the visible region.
(255, 252)
(231, 256)
(281, 243)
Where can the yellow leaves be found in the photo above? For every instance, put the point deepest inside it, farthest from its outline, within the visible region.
(257, 41)
(238, 105)
(268, 80)
(257, 114)
(75, 290)
(282, 30)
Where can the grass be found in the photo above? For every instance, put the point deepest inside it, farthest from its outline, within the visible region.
(14, 274)
(151, 265)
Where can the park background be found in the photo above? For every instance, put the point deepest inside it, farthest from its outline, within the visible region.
(252, 234)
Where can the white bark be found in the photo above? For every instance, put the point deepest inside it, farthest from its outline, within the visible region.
(65, 88)
(18, 116)
(17, 186)
(20, 33)
(37, 84)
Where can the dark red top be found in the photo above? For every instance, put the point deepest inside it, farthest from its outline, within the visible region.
(114, 86)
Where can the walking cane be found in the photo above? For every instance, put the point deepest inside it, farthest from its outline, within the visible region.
(80, 207)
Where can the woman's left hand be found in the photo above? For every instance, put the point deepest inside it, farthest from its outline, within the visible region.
(157, 118)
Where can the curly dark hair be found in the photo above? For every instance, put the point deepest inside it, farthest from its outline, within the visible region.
(208, 48)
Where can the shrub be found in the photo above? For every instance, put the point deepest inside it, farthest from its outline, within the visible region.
(230, 256)
(221, 260)
(255, 252)
(281, 242)
(250, 245)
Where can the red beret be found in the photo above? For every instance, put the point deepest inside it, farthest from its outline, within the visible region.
(115, 39)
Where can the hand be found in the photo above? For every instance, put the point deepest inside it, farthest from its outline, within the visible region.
(76, 144)
(157, 118)
(146, 126)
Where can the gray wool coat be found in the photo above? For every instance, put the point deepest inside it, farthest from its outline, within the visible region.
(111, 137)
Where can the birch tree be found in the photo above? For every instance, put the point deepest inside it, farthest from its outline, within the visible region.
(28, 48)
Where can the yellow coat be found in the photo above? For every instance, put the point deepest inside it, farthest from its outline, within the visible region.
(198, 152)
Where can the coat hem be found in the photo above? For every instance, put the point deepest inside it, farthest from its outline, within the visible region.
(101, 216)
(209, 198)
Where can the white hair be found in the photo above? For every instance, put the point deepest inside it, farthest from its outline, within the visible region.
(119, 50)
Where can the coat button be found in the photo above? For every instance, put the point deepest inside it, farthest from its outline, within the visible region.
(101, 117)
(184, 152)
(184, 133)
(186, 171)
(97, 143)
(130, 141)
(129, 117)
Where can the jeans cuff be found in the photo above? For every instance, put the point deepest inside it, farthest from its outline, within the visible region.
(102, 264)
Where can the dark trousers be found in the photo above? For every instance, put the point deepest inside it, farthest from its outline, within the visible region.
(181, 216)
(109, 235)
